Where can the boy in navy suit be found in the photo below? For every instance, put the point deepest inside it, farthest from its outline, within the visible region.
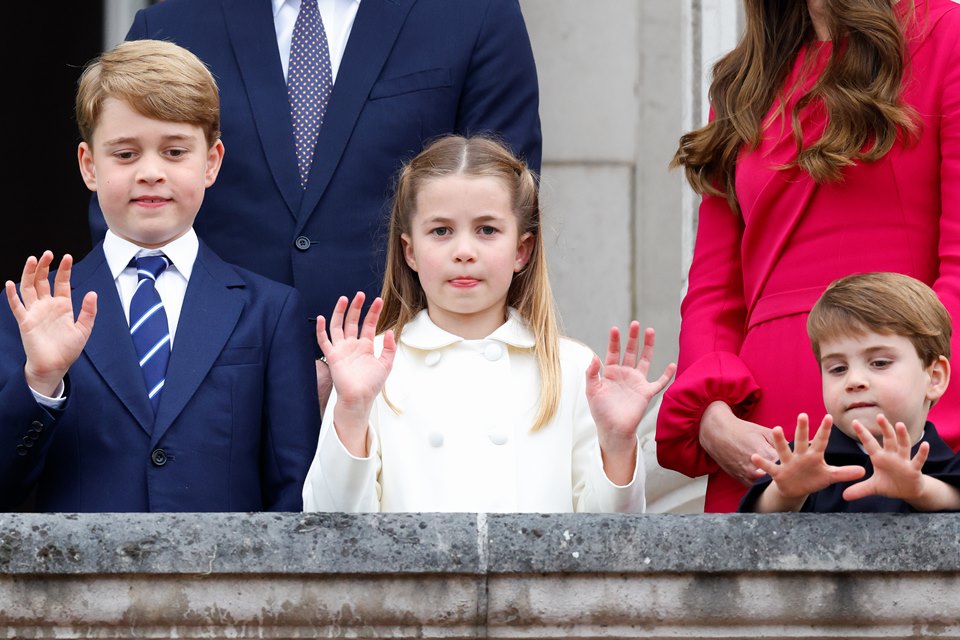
(183, 383)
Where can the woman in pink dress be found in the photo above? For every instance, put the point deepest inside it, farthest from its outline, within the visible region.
(833, 148)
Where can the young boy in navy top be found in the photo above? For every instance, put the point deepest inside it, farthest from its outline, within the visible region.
(183, 383)
(883, 344)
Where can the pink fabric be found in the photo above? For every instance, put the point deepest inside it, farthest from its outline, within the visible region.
(754, 278)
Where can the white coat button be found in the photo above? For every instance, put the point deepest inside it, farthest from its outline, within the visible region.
(435, 439)
(492, 351)
(432, 359)
(498, 438)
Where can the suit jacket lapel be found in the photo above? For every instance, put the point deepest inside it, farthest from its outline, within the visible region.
(374, 32)
(110, 348)
(211, 309)
(254, 40)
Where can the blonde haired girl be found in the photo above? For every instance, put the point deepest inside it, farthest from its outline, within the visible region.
(456, 392)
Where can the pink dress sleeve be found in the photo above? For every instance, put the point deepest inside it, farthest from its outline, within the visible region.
(713, 321)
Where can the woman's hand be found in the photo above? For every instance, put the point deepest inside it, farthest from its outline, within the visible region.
(731, 441)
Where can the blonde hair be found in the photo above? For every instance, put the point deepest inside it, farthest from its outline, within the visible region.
(888, 303)
(529, 293)
(861, 89)
(158, 79)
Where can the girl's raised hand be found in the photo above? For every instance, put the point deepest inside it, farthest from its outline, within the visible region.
(358, 375)
(619, 395)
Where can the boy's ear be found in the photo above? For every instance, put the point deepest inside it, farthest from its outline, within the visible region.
(408, 253)
(214, 160)
(524, 251)
(87, 169)
(939, 372)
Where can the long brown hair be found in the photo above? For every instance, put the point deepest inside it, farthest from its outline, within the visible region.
(860, 88)
(529, 293)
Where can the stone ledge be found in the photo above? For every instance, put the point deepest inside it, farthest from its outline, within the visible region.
(478, 575)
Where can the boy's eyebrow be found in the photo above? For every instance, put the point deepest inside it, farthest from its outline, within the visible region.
(868, 351)
(130, 139)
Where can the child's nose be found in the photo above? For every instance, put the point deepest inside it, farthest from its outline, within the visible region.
(464, 250)
(856, 380)
(150, 171)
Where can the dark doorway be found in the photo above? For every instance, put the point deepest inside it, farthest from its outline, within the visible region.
(46, 201)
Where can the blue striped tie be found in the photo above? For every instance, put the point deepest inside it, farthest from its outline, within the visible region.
(309, 82)
(148, 325)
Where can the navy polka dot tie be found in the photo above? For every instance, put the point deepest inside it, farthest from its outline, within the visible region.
(148, 325)
(309, 82)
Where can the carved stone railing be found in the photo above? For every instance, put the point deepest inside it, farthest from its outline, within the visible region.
(477, 575)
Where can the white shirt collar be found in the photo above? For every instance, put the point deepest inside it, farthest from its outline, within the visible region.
(182, 252)
(277, 4)
(422, 333)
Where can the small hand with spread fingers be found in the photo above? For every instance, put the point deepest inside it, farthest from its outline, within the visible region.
(358, 375)
(618, 396)
(801, 471)
(895, 473)
(52, 338)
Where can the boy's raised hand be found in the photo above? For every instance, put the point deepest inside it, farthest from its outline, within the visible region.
(895, 474)
(801, 471)
(52, 339)
(358, 375)
(618, 397)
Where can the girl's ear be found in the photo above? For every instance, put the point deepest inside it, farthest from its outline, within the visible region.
(524, 251)
(408, 253)
(87, 169)
(939, 372)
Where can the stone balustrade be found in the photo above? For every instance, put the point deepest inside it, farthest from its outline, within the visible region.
(295, 575)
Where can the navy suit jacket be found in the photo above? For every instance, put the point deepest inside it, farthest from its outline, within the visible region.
(412, 70)
(238, 420)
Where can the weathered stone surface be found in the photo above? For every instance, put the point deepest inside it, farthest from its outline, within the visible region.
(296, 575)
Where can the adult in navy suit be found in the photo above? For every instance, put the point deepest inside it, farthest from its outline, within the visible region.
(236, 420)
(405, 71)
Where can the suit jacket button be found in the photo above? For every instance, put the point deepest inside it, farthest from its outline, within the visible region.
(302, 243)
(158, 457)
(36, 424)
(22, 449)
(32, 434)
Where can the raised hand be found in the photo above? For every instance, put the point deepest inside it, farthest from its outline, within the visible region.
(619, 395)
(803, 470)
(895, 474)
(358, 375)
(52, 339)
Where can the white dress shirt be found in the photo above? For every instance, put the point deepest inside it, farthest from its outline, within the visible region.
(337, 15)
(462, 440)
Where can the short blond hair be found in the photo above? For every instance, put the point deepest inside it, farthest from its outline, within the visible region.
(883, 302)
(158, 79)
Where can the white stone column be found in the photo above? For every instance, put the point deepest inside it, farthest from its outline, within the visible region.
(620, 81)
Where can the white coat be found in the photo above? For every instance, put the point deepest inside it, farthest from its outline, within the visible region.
(462, 440)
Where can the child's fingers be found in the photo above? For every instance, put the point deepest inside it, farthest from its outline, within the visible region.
(888, 433)
(88, 312)
(369, 330)
(336, 318)
(16, 306)
(613, 347)
(352, 325)
(781, 445)
(661, 383)
(322, 340)
(822, 436)
(801, 437)
(61, 282)
(870, 444)
(903, 440)
(921, 458)
(28, 291)
(593, 375)
(42, 278)
(389, 350)
(846, 473)
(633, 345)
(763, 465)
(860, 490)
(649, 339)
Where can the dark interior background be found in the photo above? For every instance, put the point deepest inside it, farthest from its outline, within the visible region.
(45, 46)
